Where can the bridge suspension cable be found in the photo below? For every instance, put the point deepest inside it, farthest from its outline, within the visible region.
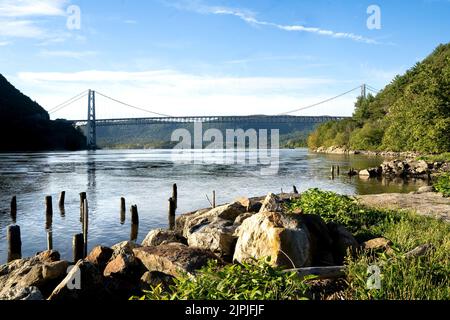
(322, 102)
(374, 90)
(133, 107)
(66, 103)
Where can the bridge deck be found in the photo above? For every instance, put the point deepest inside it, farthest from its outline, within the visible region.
(209, 119)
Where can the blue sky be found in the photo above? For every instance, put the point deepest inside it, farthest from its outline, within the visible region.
(191, 57)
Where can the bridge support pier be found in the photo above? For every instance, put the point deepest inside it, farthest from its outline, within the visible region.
(91, 128)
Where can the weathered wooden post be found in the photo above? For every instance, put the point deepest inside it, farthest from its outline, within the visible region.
(14, 208)
(332, 172)
(48, 206)
(82, 198)
(295, 190)
(49, 240)
(338, 170)
(77, 247)
(14, 243)
(134, 223)
(172, 213)
(214, 199)
(85, 227)
(62, 199)
(123, 209)
(175, 195)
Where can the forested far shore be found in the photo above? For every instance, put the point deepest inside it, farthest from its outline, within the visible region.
(412, 113)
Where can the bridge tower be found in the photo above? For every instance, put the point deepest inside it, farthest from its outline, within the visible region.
(91, 129)
(364, 91)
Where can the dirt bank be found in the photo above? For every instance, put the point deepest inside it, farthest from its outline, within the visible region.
(427, 204)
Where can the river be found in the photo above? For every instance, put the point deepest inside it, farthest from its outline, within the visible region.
(145, 178)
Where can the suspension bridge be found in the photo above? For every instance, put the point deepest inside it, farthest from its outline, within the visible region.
(92, 122)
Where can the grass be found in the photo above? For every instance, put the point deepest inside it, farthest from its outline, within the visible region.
(420, 278)
(256, 281)
(443, 157)
(442, 184)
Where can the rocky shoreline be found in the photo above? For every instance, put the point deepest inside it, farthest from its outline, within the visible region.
(384, 154)
(247, 229)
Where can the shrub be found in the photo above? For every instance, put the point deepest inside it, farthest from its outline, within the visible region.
(258, 281)
(443, 184)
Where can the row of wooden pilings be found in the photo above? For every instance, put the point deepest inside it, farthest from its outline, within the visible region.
(80, 241)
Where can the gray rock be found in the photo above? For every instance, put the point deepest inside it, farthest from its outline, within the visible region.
(125, 248)
(425, 189)
(161, 236)
(18, 293)
(174, 259)
(218, 237)
(189, 223)
(272, 203)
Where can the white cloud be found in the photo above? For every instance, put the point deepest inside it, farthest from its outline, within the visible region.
(249, 17)
(177, 93)
(4, 43)
(68, 54)
(20, 29)
(25, 18)
(26, 8)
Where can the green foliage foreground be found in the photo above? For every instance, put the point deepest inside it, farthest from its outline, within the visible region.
(443, 184)
(422, 278)
(258, 281)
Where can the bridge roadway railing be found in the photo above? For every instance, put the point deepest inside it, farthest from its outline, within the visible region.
(209, 119)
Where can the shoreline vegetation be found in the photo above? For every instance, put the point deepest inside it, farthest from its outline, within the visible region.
(315, 245)
(412, 113)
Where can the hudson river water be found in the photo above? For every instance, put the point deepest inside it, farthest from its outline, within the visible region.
(145, 178)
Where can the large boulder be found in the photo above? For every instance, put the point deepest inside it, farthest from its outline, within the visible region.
(252, 205)
(162, 236)
(125, 248)
(343, 242)
(151, 280)
(371, 173)
(174, 258)
(42, 271)
(100, 256)
(83, 283)
(282, 238)
(189, 223)
(27, 294)
(320, 240)
(218, 236)
(272, 203)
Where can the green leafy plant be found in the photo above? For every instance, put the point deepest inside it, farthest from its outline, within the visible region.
(442, 184)
(247, 281)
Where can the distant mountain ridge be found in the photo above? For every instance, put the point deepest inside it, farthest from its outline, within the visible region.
(26, 126)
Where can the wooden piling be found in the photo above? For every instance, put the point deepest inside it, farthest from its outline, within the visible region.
(123, 209)
(172, 213)
(134, 223)
(62, 199)
(82, 198)
(214, 199)
(78, 247)
(14, 243)
(175, 195)
(14, 207)
(85, 226)
(134, 215)
(49, 240)
(332, 172)
(48, 206)
(338, 170)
